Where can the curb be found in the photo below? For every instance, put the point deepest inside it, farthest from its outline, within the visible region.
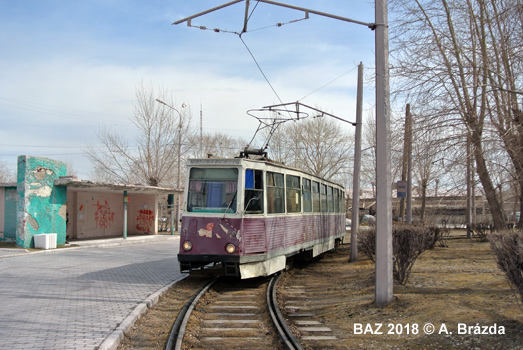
(115, 338)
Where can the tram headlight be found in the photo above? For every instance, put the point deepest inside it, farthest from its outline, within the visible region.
(230, 248)
(187, 246)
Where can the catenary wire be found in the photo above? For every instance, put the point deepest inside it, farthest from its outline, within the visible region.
(332, 81)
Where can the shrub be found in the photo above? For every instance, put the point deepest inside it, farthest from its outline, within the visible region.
(408, 242)
(508, 247)
(440, 236)
(367, 242)
(480, 231)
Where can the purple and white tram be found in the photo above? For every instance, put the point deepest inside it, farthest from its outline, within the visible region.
(251, 215)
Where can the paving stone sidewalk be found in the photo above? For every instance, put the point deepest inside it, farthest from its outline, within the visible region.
(83, 297)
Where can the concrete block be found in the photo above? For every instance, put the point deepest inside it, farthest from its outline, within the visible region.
(45, 241)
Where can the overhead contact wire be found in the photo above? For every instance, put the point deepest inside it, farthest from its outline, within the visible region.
(261, 71)
(332, 81)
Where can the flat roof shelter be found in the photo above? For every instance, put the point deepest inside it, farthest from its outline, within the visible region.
(96, 210)
(45, 201)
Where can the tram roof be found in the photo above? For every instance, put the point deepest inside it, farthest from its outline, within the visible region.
(242, 161)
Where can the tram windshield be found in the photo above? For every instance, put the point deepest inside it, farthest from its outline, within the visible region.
(212, 190)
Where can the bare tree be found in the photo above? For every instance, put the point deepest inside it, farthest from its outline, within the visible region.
(320, 146)
(461, 59)
(217, 144)
(279, 147)
(154, 157)
(427, 149)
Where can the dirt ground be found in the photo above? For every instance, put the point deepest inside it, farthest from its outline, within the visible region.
(454, 294)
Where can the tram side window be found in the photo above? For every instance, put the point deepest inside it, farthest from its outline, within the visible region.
(330, 199)
(275, 193)
(315, 197)
(253, 191)
(342, 201)
(293, 194)
(336, 200)
(307, 196)
(323, 198)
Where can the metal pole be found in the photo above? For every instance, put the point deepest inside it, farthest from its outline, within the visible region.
(171, 205)
(179, 159)
(201, 131)
(355, 223)
(125, 200)
(384, 282)
(179, 171)
(307, 11)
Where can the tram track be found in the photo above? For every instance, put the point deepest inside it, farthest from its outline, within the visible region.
(233, 314)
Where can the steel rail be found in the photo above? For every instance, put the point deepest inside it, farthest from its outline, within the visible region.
(178, 329)
(284, 331)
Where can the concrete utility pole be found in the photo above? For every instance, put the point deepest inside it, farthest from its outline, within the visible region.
(384, 282)
(408, 126)
(384, 186)
(404, 165)
(355, 219)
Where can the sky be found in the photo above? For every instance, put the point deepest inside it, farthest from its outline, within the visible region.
(69, 68)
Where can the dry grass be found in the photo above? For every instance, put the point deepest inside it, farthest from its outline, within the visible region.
(448, 286)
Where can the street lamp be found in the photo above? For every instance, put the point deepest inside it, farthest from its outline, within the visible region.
(179, 159)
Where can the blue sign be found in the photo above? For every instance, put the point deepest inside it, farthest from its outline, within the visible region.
(402, 189)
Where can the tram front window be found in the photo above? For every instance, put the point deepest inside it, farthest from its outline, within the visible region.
(212, 190)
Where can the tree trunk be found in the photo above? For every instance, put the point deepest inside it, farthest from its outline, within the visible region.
(520, 221)
(423, 199)
(490, 192)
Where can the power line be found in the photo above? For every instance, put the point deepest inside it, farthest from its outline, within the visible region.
(332, 81)
(261, 70)
(48, 109)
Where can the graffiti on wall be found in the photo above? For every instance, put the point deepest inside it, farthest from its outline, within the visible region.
(104, 216)
(145, 220)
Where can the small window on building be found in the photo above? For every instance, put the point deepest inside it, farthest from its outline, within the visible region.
(293, 193)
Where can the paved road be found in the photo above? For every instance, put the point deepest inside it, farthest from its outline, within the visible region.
(82, 298)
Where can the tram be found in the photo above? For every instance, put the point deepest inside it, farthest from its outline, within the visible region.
(249, 217)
